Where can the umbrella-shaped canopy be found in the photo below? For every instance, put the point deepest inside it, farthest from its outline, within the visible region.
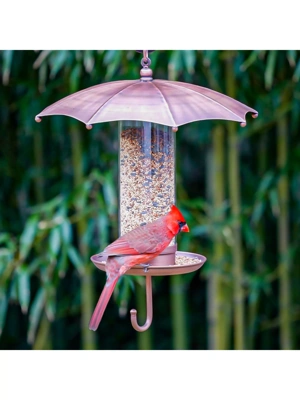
(160, 101)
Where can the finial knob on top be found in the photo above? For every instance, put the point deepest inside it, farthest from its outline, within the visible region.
(146, 74)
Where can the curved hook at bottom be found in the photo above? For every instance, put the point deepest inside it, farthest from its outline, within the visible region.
(149, 307)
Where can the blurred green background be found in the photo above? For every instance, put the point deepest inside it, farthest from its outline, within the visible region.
(238, 188)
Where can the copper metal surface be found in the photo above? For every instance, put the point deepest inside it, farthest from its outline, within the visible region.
(149, 306)
(149, 271)
(160, 101)
(156, 270)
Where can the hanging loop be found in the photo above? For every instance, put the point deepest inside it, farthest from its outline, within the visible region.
(146, 72)
(149, 308)
(145, 62)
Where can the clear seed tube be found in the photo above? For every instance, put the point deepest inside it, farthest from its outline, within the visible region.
(146, 174)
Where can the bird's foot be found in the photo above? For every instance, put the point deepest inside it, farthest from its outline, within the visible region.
(146, 267)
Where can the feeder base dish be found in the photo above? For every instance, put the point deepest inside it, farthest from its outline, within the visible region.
(185, 262)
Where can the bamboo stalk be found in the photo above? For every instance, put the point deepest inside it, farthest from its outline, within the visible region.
(222, 288)
(43, 337)
(144, 339)
(213, 281)
(212, 312)
(219, 288)
(42, 341)
(235, 210)
(178, 296)
(87, 298)
(39, 165)
(283, 238)
(260, 247)
(178, 313)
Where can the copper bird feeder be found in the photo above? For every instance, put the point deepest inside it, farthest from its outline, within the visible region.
(149, 112)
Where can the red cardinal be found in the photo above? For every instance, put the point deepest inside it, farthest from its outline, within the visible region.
(138, 246)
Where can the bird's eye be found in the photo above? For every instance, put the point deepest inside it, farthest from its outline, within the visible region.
(181, 224)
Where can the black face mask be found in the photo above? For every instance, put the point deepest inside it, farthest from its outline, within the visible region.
(181, 225)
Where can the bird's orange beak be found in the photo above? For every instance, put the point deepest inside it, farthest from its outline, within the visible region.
(185, 228)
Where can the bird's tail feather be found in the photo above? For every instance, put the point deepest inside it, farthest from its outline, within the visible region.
(101, 305)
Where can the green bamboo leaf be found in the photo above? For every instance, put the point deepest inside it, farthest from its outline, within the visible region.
(49, 206)
(54, 241)
(50, 305)
(296, 75)
(250, 235)
(109, 56)
(3, 307)
(291, 56)
(274, 200)
(88, 61)
(110, 195)
(57, 59)
(96, 175)
(258, 211)
(62, 263)
(23, 288)
(175, 65)
(75, 78)
(5, 237)
(6, 67)
(112, 59)
(43, 77)
(270, 68)
(76, 259)
(28, 235)
(8, 242)
(13, 290)
(4, 252)
(250, 60)
(154, 57)
(35, 313)
(253, 295)
(265, 184)
(103, 228)
(34, 265)
(189, 59)
(7, 252)
(40, 59)
(80, 195)
(262, 54)
(66, 231)
(209, 57)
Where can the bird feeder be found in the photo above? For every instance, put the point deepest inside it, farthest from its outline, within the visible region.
(149, 112)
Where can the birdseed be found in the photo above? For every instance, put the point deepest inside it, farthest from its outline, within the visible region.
(147, 173)
(183, 260)
(180, 260)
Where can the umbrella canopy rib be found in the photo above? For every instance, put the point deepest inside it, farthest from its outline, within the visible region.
(111, 98)
(171, 83)
(165, 102)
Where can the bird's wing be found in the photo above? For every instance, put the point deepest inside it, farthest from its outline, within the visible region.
(144, 239)
(120, 247)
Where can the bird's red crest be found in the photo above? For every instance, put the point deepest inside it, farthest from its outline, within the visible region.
(176, 214)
